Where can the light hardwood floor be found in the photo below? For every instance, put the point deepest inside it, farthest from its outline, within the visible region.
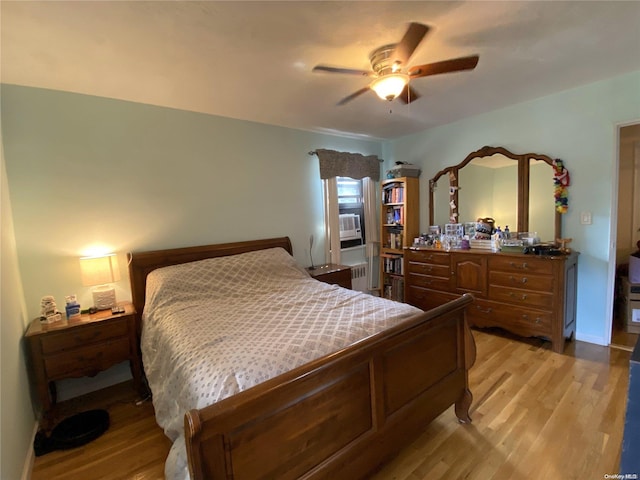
(536, 415)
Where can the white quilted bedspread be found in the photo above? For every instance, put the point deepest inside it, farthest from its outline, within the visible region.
(216, 327)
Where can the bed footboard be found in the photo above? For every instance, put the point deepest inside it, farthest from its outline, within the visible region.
(342, 415)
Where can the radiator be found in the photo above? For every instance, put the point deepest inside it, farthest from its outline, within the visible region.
(359, 277)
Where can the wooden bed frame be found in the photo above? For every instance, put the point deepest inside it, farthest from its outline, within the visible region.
(338, 417)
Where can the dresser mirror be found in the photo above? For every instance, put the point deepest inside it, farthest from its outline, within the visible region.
(514, 190)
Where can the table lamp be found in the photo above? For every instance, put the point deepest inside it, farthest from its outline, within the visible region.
(98, 272)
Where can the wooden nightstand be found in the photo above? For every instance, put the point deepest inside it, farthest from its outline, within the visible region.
(332, 273)
(78, 347)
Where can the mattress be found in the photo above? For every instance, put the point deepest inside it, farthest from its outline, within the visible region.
(216, 327)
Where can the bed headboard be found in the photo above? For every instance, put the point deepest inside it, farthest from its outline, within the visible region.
(143, 263)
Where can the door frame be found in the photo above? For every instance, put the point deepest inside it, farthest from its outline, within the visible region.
(613, 226)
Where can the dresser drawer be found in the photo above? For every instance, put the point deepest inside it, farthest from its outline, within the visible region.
(428, 256)
(87, 360)
(428, 281)
(523, 321)
(58, 342)
(427, 299)
(521, 297)
(443, 271)
(522, 264)
(540, 283)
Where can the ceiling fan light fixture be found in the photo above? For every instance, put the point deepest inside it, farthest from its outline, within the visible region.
(390, 86)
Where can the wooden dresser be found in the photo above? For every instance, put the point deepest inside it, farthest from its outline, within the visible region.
(529, 295)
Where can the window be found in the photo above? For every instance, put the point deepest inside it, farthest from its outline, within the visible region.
(351, 209)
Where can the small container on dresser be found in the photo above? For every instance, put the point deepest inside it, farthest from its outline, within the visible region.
(80, 346)
(332, 274)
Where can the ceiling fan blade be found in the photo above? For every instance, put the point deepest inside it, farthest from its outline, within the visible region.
(446, 66)
(412, 38)
(353, 95)
(349, 71)
(408, 95)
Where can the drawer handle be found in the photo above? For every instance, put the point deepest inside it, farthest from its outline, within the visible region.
(524, 266)
(483, 310)
(513, 295)
(515, 280)
(537, 321)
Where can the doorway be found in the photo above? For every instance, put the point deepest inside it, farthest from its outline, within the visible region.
(624, 328)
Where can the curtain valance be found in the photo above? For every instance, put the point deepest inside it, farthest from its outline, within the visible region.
(345, 164)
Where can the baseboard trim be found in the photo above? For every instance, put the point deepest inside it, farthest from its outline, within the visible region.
(30, 459)
(591, 339)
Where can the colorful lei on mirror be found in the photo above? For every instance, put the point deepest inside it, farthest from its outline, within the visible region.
(561, 180)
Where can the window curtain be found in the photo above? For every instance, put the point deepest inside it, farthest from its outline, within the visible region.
(335, 164)
(372, 236)
(344, 164)
(331, 220)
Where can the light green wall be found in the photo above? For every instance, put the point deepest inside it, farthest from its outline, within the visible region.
(85, 170)
(17, 420)
(578, 126)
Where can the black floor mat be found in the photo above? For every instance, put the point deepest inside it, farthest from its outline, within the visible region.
(72, 432)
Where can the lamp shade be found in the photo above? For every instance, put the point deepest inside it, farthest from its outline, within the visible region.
(99, 270)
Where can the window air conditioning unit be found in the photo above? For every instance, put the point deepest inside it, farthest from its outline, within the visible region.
(350, 227)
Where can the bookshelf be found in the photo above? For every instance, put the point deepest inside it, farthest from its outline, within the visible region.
(399, 224)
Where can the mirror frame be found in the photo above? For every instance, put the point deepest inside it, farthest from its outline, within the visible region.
(523, 184)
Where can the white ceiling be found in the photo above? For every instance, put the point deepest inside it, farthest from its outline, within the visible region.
(253, 60)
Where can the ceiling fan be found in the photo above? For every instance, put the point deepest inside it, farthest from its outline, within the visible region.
(390, 70)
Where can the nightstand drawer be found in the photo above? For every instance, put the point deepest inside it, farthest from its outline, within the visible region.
(59, 342)
(87, 360)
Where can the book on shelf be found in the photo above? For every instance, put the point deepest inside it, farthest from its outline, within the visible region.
(394, 239)
(394, 290)
(393, 264)
(393, 193)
